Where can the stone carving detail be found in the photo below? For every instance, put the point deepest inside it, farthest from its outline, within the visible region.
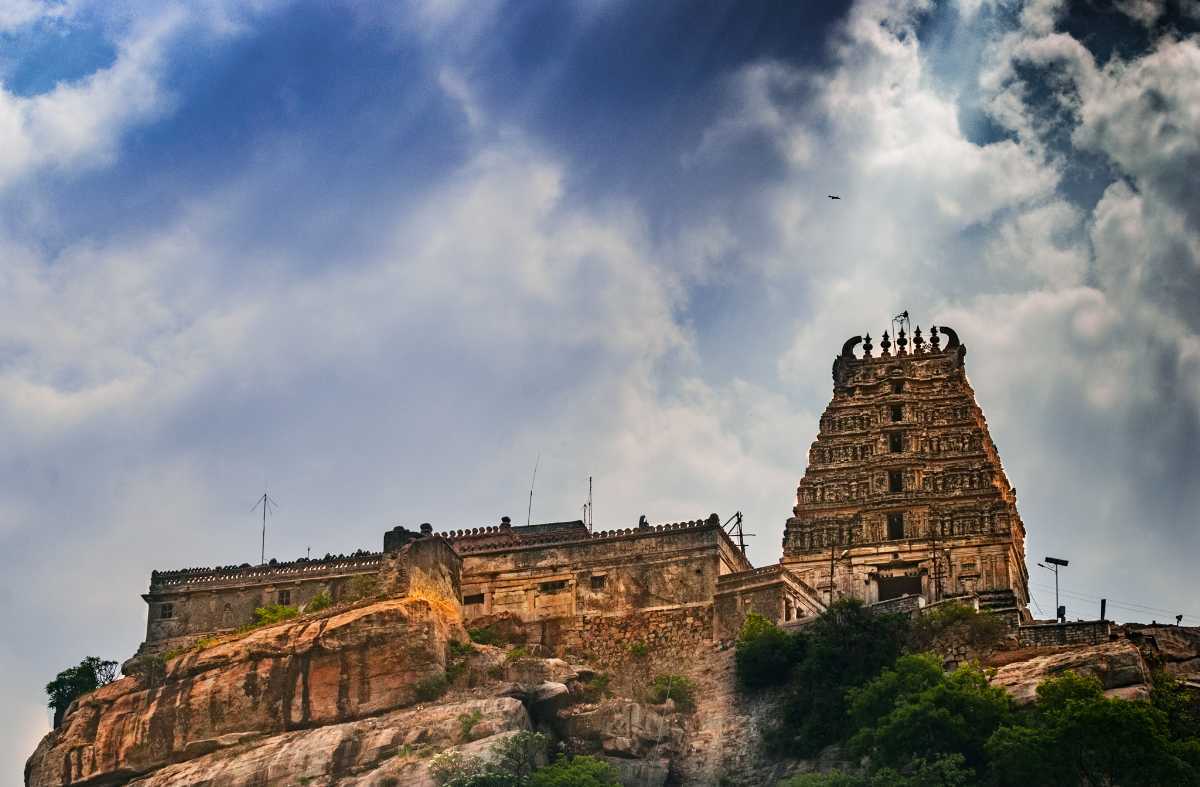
(903, 462)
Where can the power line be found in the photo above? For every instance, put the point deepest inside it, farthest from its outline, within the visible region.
(1130, 605)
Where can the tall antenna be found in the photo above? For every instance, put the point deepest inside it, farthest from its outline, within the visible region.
(532, 481)
(736, 530)
(590, 518)
(268, 504)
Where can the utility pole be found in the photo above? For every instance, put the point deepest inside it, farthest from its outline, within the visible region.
(532, 481)
(832, 545)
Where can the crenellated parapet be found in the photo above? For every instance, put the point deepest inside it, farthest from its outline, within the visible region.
(246, 573)
(502, 538)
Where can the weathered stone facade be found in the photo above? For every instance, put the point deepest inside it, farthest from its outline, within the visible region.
(904, 493)
(196, 602)
(553, 576)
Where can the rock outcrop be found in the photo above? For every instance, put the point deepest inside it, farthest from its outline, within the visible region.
(346, 665)
(393, 748)
(1118, 665)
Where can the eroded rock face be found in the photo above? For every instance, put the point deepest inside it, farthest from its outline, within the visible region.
(392, 748)
(622, 728)
(1175, 648)
(294, 675)
(1118, 665)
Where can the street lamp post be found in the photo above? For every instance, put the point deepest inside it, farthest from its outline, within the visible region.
(1057, 562)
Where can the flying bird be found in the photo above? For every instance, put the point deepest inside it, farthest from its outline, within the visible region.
(831, 196)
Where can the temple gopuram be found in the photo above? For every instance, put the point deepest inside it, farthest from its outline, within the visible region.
(904, 494)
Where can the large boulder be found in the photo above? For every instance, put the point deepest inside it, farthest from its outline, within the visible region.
(1174, 648)
(294, 675)
(621, 728)
(1118, 665)
(395, 746)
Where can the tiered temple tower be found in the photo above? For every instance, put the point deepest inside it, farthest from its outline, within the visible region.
(904, 492)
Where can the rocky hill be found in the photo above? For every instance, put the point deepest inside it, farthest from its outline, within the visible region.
(371, 693)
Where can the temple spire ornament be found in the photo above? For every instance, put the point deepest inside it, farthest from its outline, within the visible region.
(905, 483)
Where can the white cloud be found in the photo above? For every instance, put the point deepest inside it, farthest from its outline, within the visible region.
(78, 125)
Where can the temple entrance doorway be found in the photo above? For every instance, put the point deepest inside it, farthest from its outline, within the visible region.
(894, 587)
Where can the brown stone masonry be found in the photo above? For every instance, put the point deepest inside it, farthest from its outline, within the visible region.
(904, 491)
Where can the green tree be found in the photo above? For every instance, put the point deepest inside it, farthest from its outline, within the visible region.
(845, 647)
(765, 654)
(74, 682)
(916, 711)
(1076, 735)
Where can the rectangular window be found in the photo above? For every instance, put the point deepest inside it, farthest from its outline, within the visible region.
(285, 597)
(896, 442)
(897, 412)
(896, 526)
(598, 581)
(553, 587)
(895, 481)
(476, 598)
(898, 387)
(166, 611)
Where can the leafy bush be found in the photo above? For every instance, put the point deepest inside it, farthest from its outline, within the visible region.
(578, 771)
(639, 650)
(362, 586)
(947, 771)
(272, 613)
(74, 682)
(467, 722)
(595, 688)
(673, 687)
(980, 629)
(765, 654)
(430, 688)
(460, 650)
(516, 653)
(319, 602)
(512, 763)
(485, 636)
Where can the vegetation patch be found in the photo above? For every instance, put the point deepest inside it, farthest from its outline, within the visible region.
(431, 688)
(518, 652)
(319, 602)
(947, 623)
(639, 650)
(910, 723)
(519, 761)
(73, 682)
(467, 722)
(487, 635)
(676, 688)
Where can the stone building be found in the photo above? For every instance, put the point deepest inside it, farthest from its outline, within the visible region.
(190, 603)
(904, 493)
(904, 501)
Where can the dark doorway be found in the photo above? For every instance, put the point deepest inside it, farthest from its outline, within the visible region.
(894, 587)
(895, 442)
(895, 526)
(895, 481)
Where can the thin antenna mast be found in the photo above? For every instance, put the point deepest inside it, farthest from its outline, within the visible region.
(590, 519)
(532, 481)
(268, 503)
(736, 531)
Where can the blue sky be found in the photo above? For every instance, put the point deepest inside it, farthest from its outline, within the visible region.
(381, 257)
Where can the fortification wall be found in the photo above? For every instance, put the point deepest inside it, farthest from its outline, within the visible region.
(657, 641)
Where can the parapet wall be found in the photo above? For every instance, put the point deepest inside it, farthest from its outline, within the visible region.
(1080, 632)
(240, 576)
